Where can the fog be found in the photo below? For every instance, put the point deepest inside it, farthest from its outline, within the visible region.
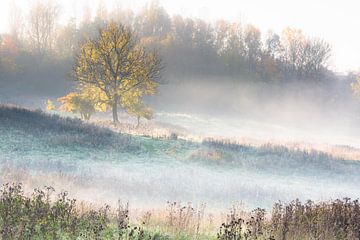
(251, 114)
(150, 183)
(284, 120)
(236, 109)
(294, 113)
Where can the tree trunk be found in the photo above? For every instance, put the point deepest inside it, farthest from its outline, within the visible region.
(114, 111)
(138, 122)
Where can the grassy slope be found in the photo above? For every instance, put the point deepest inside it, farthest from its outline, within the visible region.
(49, 143)
(23, 131)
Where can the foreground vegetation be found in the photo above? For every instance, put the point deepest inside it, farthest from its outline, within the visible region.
(339, 219)
(44, 215)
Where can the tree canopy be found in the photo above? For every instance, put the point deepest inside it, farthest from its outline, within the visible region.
(115, 64)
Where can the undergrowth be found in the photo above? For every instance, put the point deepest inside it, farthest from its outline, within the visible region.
(46, 215)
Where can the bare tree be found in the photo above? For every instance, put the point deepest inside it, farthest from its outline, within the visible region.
(16, 22)
(316, 54)
(153, 20)
(305, 57)
(273, 46)
(42, 22)
(252, 40)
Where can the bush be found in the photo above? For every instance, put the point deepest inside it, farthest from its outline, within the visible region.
(339, 219)
(44, 216)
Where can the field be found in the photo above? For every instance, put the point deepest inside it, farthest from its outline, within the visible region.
(157, 175)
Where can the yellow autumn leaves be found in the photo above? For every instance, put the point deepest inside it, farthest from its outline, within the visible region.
(113, 70)
(85, 102)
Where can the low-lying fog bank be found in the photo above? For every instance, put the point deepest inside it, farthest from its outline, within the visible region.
(99, 166)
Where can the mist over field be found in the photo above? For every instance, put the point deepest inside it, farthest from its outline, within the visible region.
(149, 172)
(194, 122)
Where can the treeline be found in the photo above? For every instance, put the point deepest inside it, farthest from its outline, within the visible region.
(39, 47)
(195, 46)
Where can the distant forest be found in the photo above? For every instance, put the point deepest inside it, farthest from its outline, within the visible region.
(38, 52)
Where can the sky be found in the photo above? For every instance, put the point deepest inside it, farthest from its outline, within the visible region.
(335, 21)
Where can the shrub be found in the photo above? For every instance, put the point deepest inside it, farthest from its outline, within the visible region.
(339, 219)
(44, 216)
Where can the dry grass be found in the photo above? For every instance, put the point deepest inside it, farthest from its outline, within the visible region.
(162, 130)
(46, 215)
(54, 130)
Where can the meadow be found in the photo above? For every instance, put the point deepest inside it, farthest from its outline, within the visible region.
(176, 188)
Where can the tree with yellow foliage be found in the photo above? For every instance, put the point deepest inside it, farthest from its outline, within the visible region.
(140, 111)
(117, 66)
(86, 102)
(50, 105)
(131, 101)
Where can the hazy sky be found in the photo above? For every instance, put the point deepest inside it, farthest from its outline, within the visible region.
(336, 21)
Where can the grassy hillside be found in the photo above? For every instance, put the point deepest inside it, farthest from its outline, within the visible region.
(43, 149)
